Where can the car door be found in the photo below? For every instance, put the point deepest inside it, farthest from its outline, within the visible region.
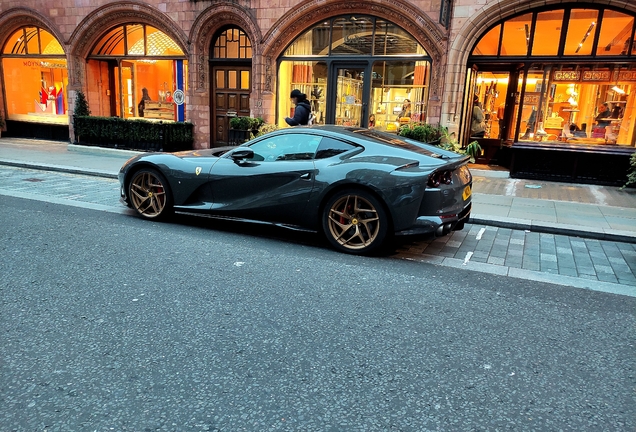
(274, 185)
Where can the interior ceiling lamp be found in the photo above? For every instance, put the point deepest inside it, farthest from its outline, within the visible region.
(616, 89)
(587, 33)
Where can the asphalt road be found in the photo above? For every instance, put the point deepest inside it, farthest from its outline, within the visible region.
(113, 323)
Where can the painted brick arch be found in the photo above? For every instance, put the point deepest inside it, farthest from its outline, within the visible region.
(207, 24)
(118, 13)
(429, 34)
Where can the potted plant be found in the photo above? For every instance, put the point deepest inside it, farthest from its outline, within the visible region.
(473, 150)
(242, 129)
(2, 123)
(631, 175)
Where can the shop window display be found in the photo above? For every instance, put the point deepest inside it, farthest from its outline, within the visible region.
(351, 71)
(35, 77)
(133, 72)
(580, 105)
(559, 97)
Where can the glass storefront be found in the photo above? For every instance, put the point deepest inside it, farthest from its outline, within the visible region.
(35, 77)
(574, 72)
(356, 71)
(134, 71)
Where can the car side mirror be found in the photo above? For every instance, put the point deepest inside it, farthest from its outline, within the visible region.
(242, 154)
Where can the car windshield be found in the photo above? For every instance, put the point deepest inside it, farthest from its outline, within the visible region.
(398, 141)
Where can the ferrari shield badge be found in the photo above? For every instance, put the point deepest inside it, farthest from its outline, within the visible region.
(197, 170)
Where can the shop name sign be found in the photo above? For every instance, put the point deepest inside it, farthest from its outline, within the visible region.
(626, 76)
(566, 76)
(44, 64)
(594, 76)
(597, 75)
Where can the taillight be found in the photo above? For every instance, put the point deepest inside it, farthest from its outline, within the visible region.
(440, 177)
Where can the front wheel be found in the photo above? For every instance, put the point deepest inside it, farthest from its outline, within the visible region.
(354, 221)
(149, 194)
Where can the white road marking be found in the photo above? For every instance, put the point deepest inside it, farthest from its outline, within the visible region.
(480, 233)
(598, 195)
(511, 187)
(468, 256)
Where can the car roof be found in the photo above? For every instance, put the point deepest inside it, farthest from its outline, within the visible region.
(363, 136)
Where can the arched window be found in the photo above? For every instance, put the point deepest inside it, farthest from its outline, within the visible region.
(35, 76)
(137, 68)
(233, 43)
(572, 32)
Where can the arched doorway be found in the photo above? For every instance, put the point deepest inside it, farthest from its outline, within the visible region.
(132, 63)
(230, 81)
(357, 70)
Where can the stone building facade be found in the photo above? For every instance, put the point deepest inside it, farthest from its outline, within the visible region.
(435, 44)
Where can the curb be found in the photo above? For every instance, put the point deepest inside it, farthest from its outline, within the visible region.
(553, 228)
(59, 168)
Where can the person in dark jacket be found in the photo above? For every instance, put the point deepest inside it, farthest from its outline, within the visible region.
(302, 111)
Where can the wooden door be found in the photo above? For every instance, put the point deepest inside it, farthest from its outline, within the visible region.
(230, 98)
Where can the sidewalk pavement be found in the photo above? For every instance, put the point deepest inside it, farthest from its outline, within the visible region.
(587, 211)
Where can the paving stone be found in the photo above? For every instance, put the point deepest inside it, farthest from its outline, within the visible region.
(564, 250)
(603, 269)
(514, 262)
(515, 253)
(548, 257)
(495, 260)
(481, 254)
(568, 271)
(586, 270)
(607, 277)
(531, 265)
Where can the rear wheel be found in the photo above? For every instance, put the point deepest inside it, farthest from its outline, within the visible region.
(354, 221)
(150, 195)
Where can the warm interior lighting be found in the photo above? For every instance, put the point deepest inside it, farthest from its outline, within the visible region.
(587, 33)
(619, 90)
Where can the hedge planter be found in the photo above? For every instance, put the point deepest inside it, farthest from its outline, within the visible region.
(238, 137)
(142, 135)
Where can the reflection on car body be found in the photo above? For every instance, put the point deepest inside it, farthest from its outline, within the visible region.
(356, 186)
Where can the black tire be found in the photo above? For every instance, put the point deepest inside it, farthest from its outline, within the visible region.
(149, 194)
(355, 222)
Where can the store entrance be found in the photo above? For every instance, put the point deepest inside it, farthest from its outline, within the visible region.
(230, 98)
(347, 91)
(490, 97)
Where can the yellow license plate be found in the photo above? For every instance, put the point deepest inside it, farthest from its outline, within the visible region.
(466, 193)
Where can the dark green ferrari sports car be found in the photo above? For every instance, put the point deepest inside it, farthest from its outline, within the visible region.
(357, 186)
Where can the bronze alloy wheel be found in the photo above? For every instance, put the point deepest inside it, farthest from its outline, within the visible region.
(149, 194)
(355, 222)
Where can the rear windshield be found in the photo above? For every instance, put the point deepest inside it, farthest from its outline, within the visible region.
(405, 143)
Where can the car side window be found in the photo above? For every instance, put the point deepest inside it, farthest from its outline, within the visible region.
(331, 147)
(286, 147)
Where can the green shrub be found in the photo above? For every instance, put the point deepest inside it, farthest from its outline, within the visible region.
(631, 176)
(266, 128)
(81, 105)
(246, 123)
(425, 133)
(133, 134)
